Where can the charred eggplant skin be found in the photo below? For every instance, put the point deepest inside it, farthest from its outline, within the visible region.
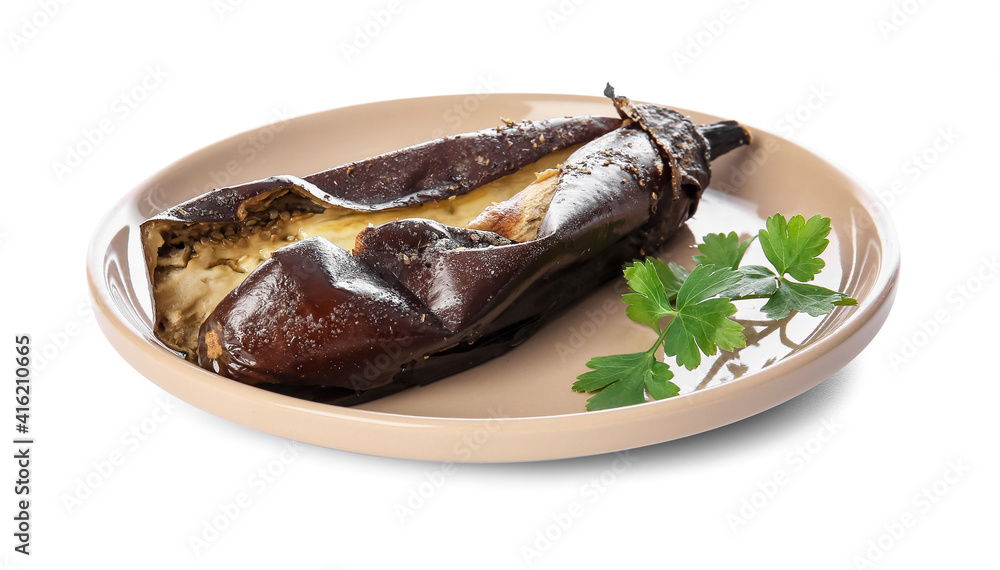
(419, 300)
(420, 174)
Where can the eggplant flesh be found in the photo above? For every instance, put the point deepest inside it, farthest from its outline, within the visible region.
(199, 251)
(418, 299)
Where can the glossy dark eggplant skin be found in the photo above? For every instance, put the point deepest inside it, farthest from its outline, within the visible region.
(418, 174)
(419, 300)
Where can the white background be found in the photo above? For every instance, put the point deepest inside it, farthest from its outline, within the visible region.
(894, 75)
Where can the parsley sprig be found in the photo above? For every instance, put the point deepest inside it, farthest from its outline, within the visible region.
(699, 305)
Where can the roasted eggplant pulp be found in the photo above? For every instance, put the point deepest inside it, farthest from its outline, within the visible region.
(424, 291)
(201, 250)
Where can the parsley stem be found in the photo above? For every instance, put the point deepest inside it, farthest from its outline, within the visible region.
(659, 341)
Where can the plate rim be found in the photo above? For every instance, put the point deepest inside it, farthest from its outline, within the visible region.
(128, 342)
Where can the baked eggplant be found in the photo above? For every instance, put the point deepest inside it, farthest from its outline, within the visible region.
(200, 250)
(256, 282)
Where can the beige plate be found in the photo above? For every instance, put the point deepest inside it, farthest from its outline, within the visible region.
(520, 407)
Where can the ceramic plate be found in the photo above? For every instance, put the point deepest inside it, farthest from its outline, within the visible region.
(520, 407)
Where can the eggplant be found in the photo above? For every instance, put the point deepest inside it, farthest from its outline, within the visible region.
(199, 251)
(417, 299)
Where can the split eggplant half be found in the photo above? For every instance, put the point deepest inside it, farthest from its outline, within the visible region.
(256, 282)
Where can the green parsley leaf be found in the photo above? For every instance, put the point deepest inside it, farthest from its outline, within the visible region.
(755, 281)
(650, 302)
(702, 322)
(793, 247)
(705, 282)
(724, 250)
(804, 298)
(623, 380)
(699, 305)
(673, 279)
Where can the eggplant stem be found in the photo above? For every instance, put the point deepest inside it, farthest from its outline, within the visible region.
(724, 136)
